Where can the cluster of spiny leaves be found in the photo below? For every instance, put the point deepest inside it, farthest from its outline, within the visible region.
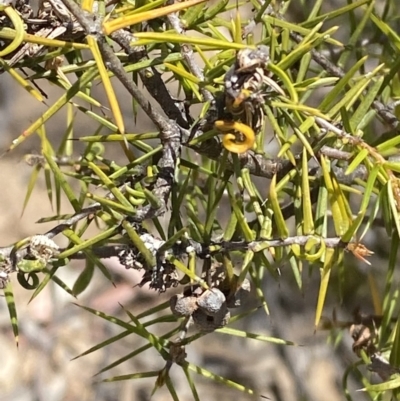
(333, 179)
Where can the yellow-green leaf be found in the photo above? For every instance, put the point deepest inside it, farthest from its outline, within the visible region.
(325, 274)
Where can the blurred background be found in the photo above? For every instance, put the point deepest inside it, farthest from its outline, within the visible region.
(53, 330)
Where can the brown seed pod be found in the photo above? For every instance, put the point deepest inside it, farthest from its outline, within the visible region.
(211, 301)
(208, 323)
(183, 305)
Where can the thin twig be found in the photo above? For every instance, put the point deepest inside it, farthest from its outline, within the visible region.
(187, 53)
(115, 65)
(170, 132)
(151, 78)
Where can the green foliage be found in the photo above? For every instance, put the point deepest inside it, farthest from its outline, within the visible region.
(324, 99)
